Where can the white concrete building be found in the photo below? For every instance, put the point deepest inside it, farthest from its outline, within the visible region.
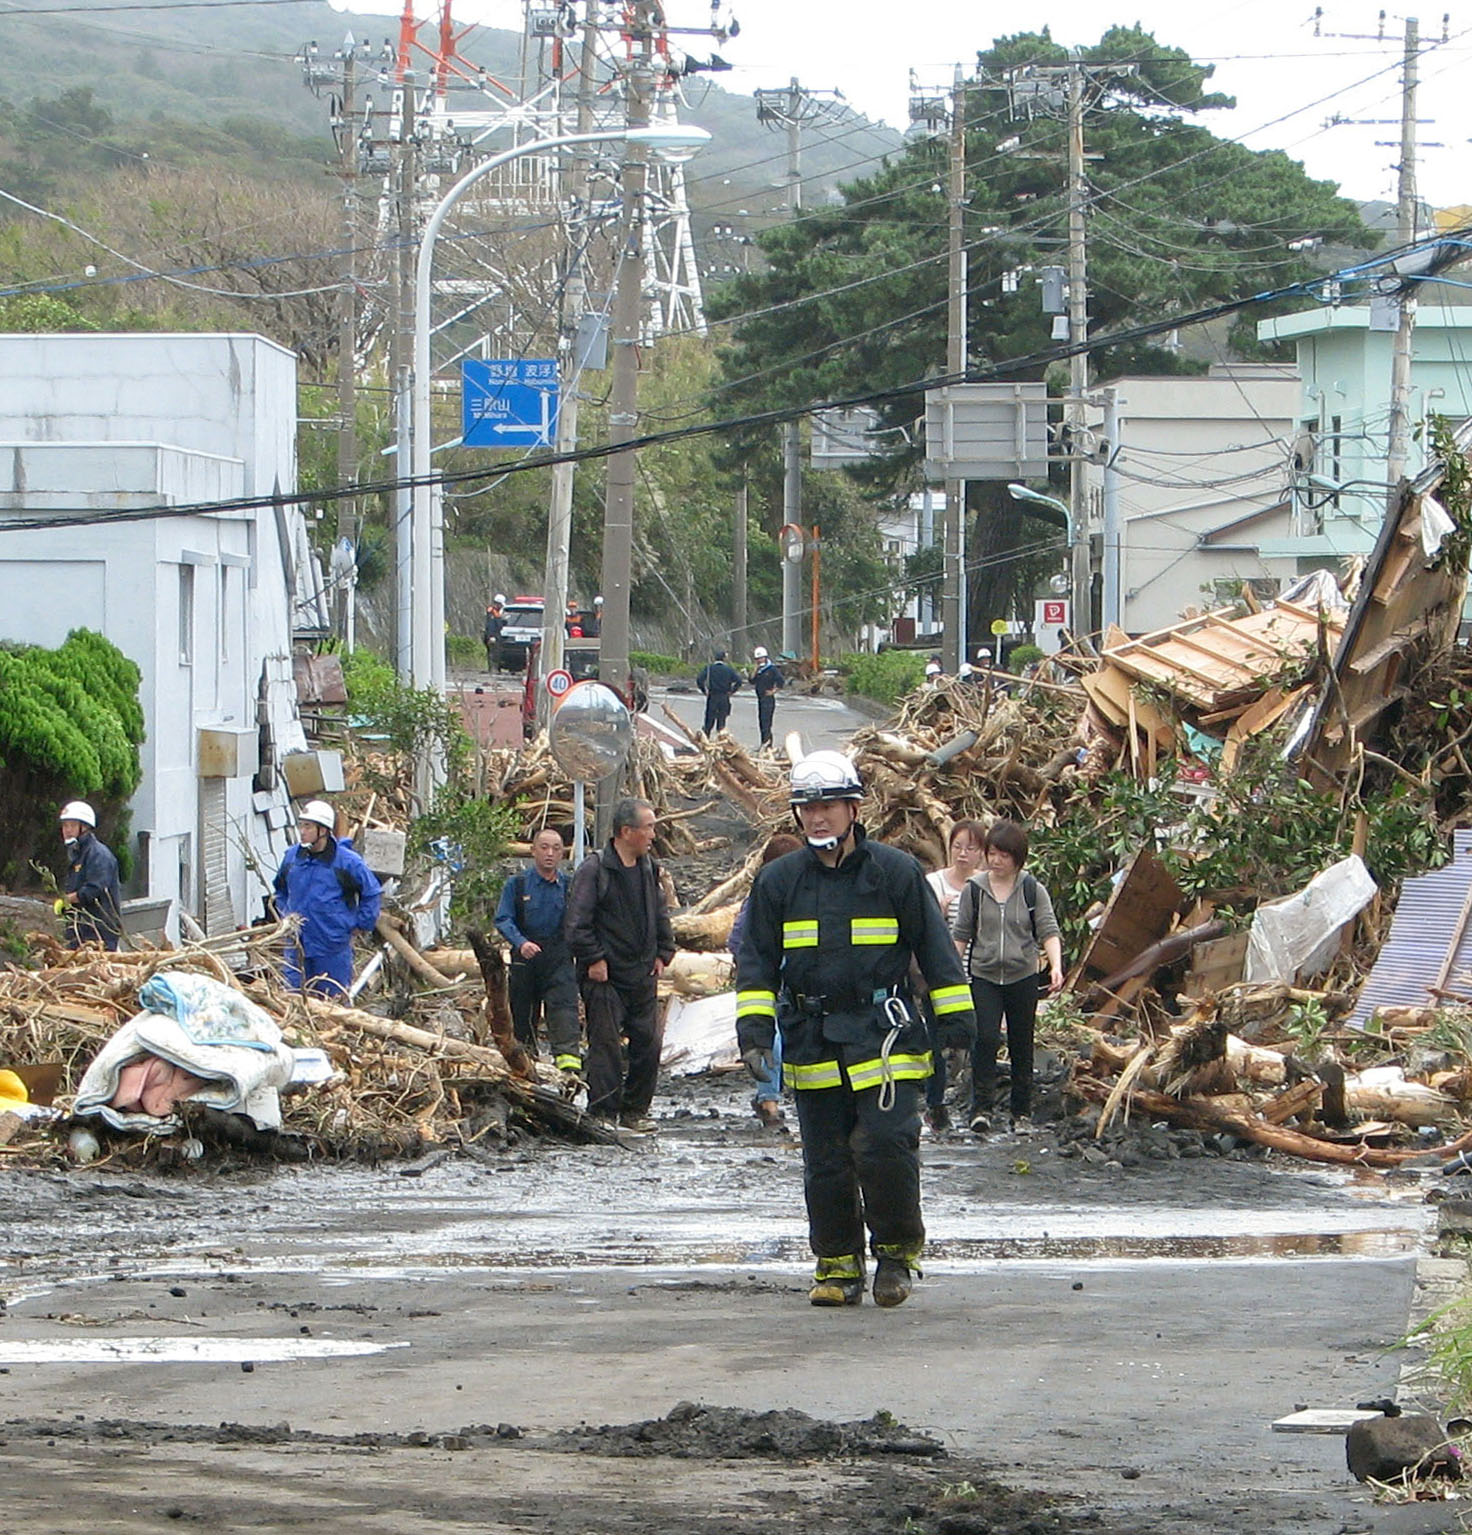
(1203, 464)
(93, 427)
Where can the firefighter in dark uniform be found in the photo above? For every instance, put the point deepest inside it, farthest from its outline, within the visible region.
(830, 933)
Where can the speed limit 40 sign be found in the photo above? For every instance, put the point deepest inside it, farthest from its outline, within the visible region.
(558, 682)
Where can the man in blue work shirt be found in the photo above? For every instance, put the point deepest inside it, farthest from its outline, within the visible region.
(529, 918)
(93, 901)
(324, 882)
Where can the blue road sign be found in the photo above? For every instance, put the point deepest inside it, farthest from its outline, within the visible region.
(509, 403)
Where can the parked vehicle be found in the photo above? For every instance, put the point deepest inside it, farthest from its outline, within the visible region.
(580, 657)
(523, 630)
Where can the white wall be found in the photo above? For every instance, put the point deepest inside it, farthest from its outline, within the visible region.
(94, 424)
(1198, 455)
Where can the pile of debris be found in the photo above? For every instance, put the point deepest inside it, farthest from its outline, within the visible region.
(448, 1073)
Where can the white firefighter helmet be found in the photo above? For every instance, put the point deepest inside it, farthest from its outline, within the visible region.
(319, 811)
(760, 653)
(78, 810)
(498, 599)
(824, 775)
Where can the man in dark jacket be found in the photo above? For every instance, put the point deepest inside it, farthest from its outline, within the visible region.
(530, 918)
(92, 894)
(618, 928)
(324, 882)
(717, 681)
(830, 934)
(491, 634)
(765, 680)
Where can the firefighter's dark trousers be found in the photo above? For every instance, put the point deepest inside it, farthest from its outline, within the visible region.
(861, 1168)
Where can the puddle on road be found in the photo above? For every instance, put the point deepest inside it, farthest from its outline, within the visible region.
(179, 1350)
(1319, 1244)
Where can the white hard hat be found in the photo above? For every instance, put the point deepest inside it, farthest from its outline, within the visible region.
(966, 669)
(319, 811)
(824, 775)
(78, 810)
(597, 602)
(932, 668)
(759, 654)
(499, 597)
(984, 654)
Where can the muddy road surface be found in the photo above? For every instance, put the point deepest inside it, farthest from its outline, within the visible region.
(590, 1340)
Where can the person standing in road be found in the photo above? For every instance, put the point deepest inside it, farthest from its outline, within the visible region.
(91, 892)
(593, 622)
(491, 634)
(572, 621)
(765, 680)
(717, 681)
(529, 917)
(618, 930)
(324, 882)
(830, 935)
(1003, 919)
(965, 846)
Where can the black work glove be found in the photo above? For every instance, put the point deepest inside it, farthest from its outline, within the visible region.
(759, 1063)
(957, 1034)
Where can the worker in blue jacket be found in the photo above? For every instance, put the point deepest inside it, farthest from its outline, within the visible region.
(325, 883)
(541, 978)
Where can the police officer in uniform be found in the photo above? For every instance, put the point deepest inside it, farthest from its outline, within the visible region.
(830, 933)
(765, 680)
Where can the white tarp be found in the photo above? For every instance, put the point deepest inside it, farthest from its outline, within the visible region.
(1298, 935)
(700, 1035)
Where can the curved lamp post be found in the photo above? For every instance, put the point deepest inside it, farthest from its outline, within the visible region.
(427, 645)
(1037, 498)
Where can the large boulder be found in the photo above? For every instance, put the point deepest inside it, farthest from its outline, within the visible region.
(1390, 1449)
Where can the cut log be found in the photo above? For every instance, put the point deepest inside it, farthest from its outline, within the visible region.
(498, 1006)
(1162, 953)
(706, 930)
(411, 956)
(1205, 1114)
(1293, 1102)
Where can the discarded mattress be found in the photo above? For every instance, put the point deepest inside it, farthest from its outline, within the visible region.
(202, 1027)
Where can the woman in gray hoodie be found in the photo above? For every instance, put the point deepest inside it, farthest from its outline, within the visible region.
(1004, 922)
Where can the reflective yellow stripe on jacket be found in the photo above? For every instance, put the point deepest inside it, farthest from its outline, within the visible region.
(756, 1004)
(902, 1068)
(876, 930)
(819, 1074)
(800, 935)
(950, 999)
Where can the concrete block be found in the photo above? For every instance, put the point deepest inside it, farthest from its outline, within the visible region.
(382, 850)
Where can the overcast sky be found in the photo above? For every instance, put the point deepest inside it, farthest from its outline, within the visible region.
(1287, 81)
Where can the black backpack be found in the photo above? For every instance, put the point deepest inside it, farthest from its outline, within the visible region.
(1030, 898)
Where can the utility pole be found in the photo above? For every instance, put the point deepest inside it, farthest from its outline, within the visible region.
(1113, 594)
(789, 107)
(406, 182)
(628, 292)
(1400, 357)
(738, 560)
(559, 516)
(1078, 334)
(953, 606)
(347, 332)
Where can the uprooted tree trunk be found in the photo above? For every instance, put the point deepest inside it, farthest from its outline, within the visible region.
(498, 1004)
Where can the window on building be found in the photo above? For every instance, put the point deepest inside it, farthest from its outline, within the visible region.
(186, 615)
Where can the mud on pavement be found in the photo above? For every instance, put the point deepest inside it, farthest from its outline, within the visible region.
(580, 1340)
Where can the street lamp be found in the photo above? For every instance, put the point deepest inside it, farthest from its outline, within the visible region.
(1037, 498)
(426, 536)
